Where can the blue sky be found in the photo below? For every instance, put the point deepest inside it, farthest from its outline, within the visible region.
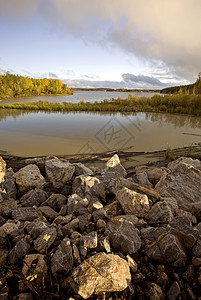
(112, 43)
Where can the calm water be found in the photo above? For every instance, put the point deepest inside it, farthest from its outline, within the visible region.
(76, 97)
(41, 133)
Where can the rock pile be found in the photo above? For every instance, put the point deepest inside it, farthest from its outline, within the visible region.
(70, 232)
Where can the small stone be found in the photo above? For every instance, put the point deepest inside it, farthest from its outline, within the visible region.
(100, 224)
(154, 291)
(161, 212)
(76, 254)
(48, 212)
(20, 250)
(81, 169)
(174, 291)
(36, 227)
(196, 261)
(70, 227)
(132, 263)
(76, 205)
(83, 251)
(45, 240)
(63, 220)
(90, 240)
(55, 201)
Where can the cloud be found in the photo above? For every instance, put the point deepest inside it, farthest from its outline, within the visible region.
(155, 31)
(129, 81)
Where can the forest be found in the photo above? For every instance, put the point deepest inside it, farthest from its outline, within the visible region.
(14, 85)
(190, 89)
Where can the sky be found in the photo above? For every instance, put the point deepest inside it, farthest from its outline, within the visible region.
(109, 43)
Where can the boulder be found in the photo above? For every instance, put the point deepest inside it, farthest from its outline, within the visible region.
(28, 178)
(62, 259)
(123, 234)
(99, 274)
(132, 202)
(34, 197)
(45, 240)
(59, 170)
(90, 187)
(182, 182)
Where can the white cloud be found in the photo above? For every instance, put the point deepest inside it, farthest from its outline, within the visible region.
(166, 31)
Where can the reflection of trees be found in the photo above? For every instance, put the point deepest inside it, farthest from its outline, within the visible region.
(175, 119)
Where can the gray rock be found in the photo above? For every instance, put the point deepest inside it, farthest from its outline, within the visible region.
(26, 214)
(123, 234)
(90, 187)
(111, 210)
(62, 260)
(39, 271)
(28, 178)
(45, 240)
(49, 213)
(77, 205)
(174, 291)
(160, 211)
(100, 273)
(182, 213)
(36, 227)
(154, 291)
(197, 248)
(133, 203)
(7, 205)
(89, 240)
(59, 170)
(20, 250)
(182, 182)
(154, 174)
(142, 178)
(151, 234)
(63, 220)
(70, 227)
(34, 198)
(9, 185)
(185, 160)
(55, 201)
(81, 169)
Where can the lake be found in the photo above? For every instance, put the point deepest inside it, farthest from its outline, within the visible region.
(55, 133)
(90, 96)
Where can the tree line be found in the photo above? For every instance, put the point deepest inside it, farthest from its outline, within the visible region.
(14, 85)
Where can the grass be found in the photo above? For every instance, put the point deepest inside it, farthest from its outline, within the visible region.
(185, 104)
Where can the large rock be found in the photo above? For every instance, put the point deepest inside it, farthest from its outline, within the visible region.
(36, 228)
(59, 170)
(133, 203)
(173, 245)
(28, 178)
(7, 205)
(81, 169)
(182, 182)
(2, 169)
(100, 273)
(62, 260)
(123, 234)
(34, 197)
(90, 187)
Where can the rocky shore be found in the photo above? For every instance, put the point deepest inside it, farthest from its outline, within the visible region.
(72, 232)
